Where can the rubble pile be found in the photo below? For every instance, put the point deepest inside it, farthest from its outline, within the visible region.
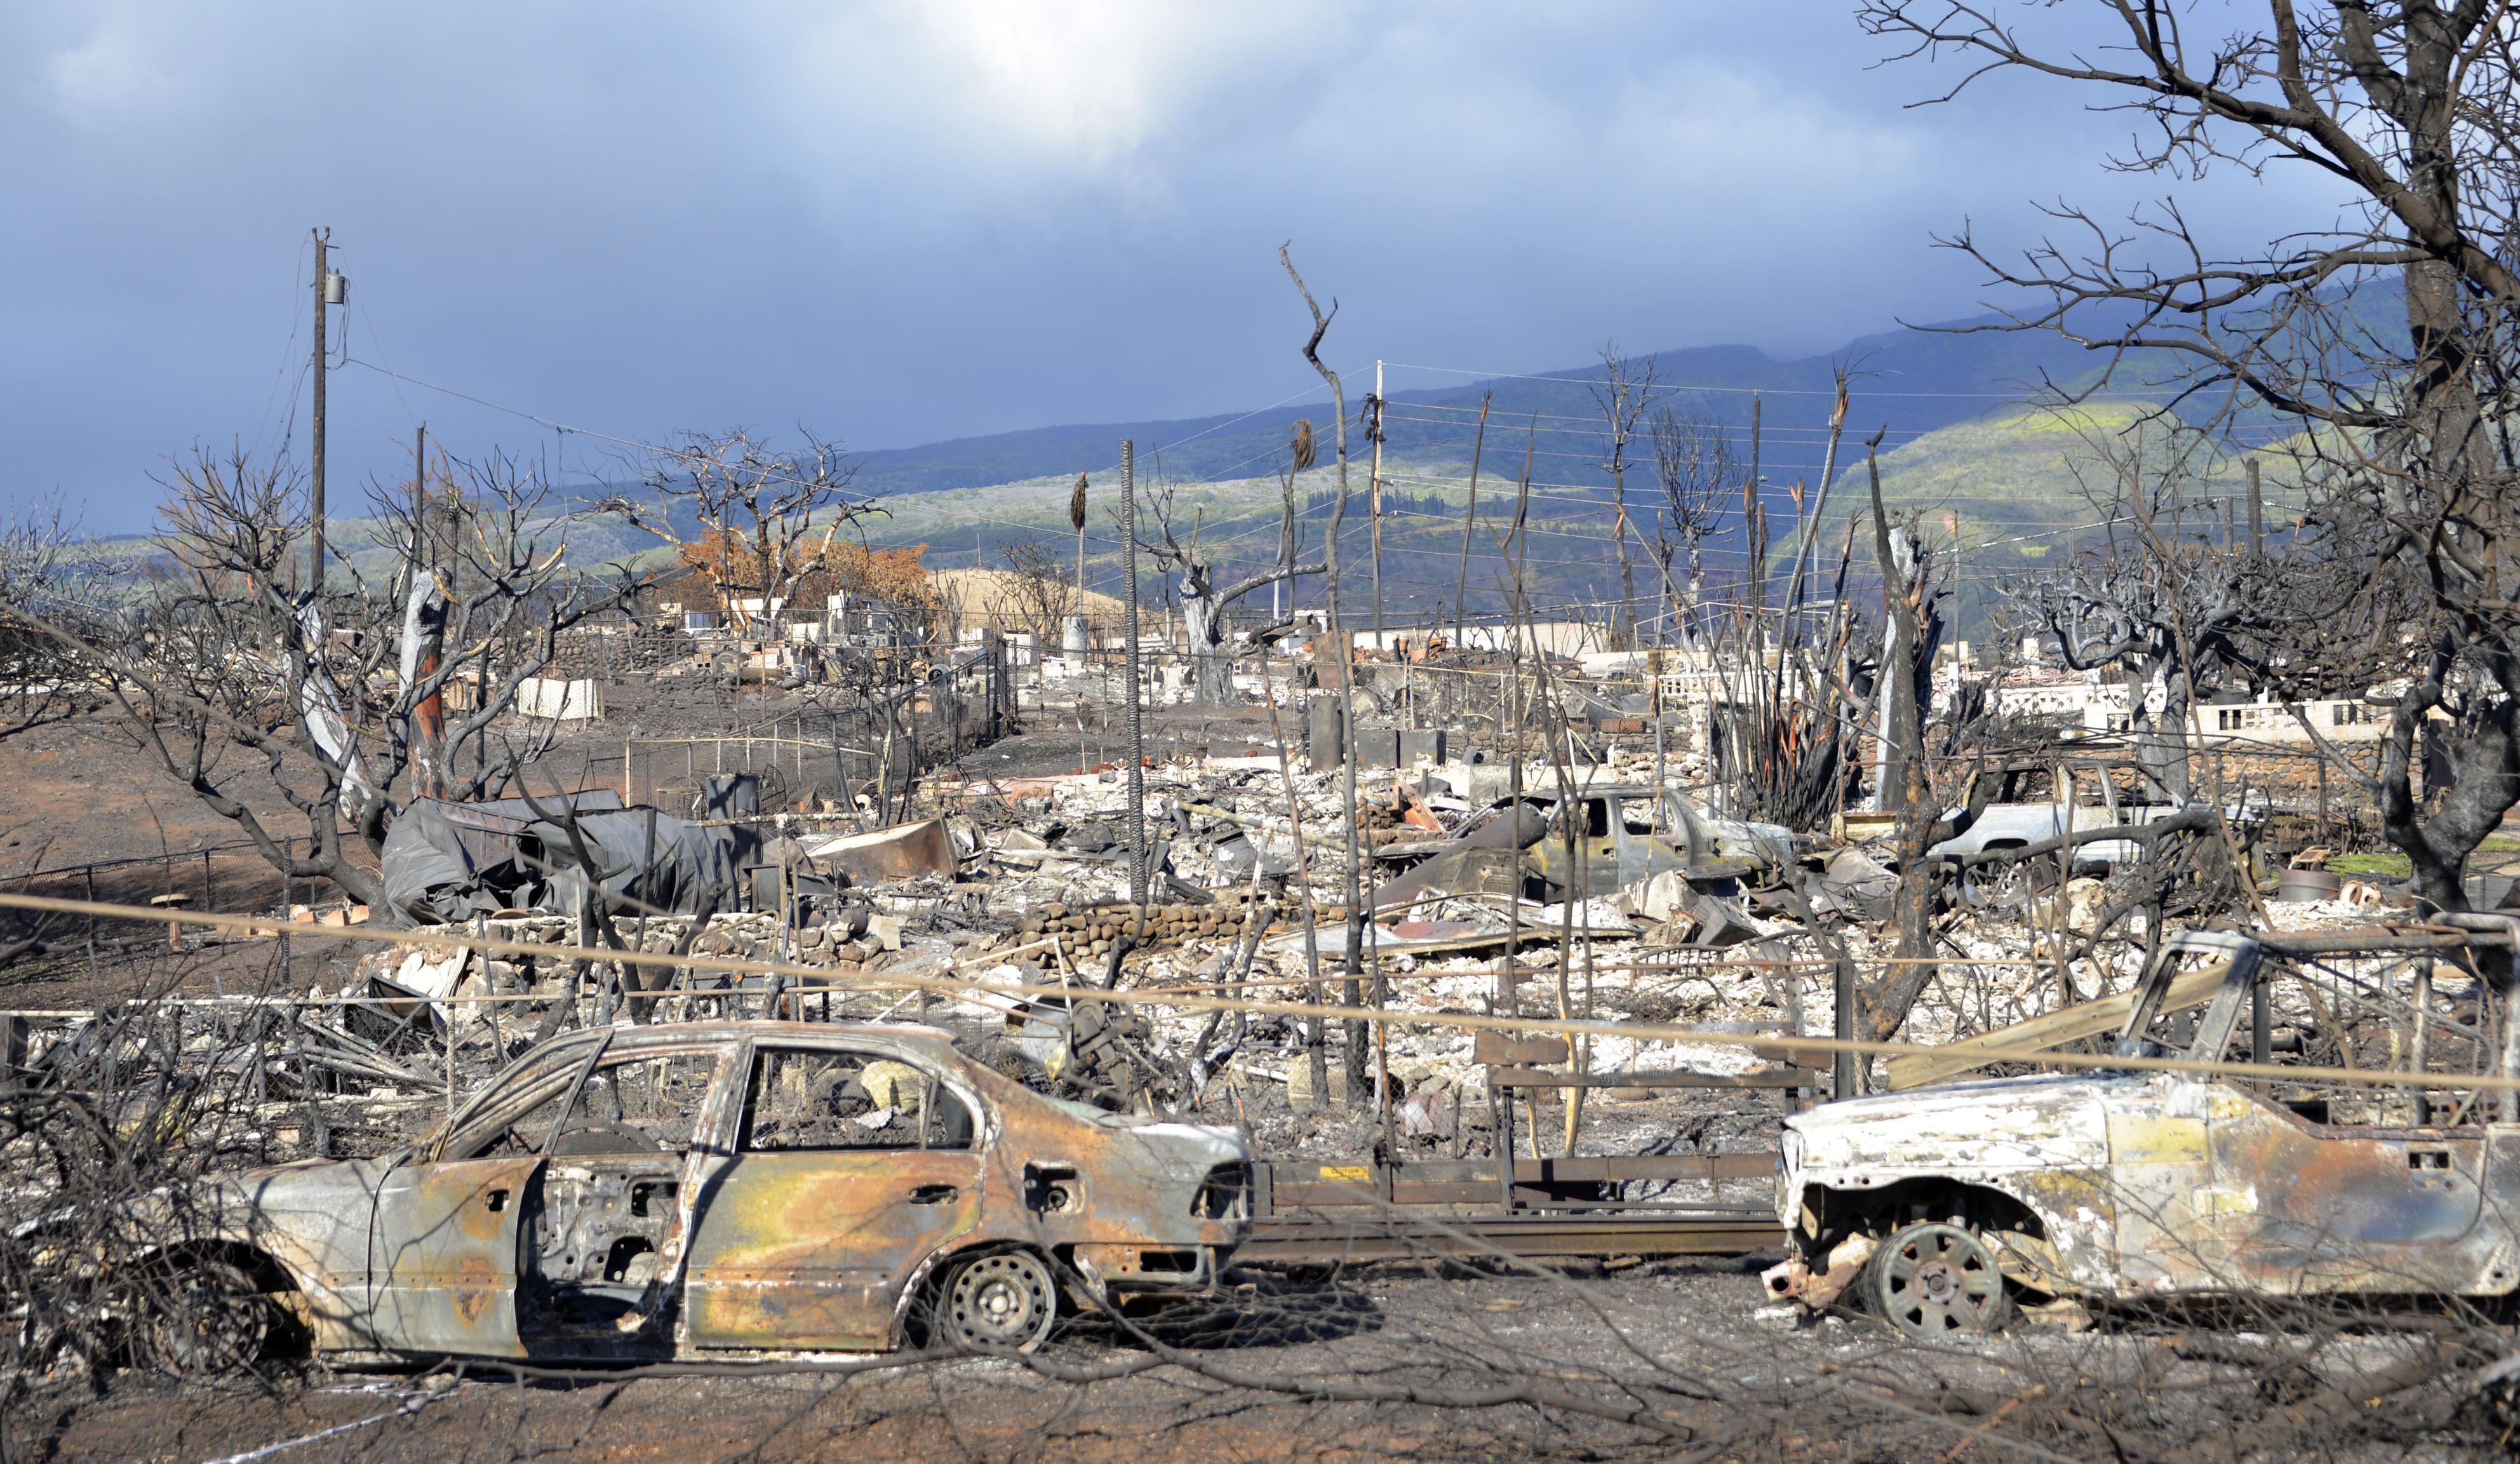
(1608, 877)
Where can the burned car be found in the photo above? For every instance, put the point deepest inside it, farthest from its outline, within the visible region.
(1623, 833)
(728, 1191)
(1942, 1208)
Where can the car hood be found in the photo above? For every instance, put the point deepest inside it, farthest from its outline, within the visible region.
(2041, 1121)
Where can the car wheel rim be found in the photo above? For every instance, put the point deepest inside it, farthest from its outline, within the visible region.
(208, 1328)
(1003, 1302)
(1937, 1280)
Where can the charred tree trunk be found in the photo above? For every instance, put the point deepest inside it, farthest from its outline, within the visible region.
(1910, 601)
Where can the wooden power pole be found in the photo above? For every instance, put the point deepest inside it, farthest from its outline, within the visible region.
(329, 288)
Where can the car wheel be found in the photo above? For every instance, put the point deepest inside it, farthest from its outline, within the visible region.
(1937, 1280)
(206, 1319)
(2012, 885)
(1001, 1303)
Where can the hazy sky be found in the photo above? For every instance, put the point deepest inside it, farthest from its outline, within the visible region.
(900, 222)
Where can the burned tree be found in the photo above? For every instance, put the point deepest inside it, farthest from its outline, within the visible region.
(1036, 588)
(2150, 602)
(1694, 466)
(1621, 397)
(2335, 616)
(766, 521)
(1303, 450)
(2391, 341)
(42, 681)
(275, 706)
(1910, 741)
(1912, 629)
(1204, 601)
(1076, 521)
(1345, 644)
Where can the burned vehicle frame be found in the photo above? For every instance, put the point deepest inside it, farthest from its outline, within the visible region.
(728, 1191)
(1941, 1209)
(1623, 833)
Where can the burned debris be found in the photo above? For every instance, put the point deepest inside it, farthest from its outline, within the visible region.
(833, 959)
(867, 915)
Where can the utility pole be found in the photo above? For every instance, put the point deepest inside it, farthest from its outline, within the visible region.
(420, 496)
(1373, 502)
(1136, 780)
(2256, 509)
(330, 289)
(1462, 575)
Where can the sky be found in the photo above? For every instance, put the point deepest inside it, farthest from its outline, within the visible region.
(893, 223)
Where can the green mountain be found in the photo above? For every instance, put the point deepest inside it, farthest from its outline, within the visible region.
(2011, 484)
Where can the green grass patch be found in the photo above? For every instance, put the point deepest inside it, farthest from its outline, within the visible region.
(2394, 866)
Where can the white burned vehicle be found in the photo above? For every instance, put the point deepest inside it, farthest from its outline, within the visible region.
(1939, 1208)
(720, 1191)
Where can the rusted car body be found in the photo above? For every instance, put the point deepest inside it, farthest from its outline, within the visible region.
(728, 1191)
(2124, 1186)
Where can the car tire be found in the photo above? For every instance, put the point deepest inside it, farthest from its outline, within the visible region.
(1935, 1281)
(2013, 886)
(1003, 1302)
(204, 1319)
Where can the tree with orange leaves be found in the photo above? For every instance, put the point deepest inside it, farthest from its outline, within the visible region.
(769, 522)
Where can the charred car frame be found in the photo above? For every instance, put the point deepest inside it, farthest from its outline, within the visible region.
(731, 1191)
(1938, 1208)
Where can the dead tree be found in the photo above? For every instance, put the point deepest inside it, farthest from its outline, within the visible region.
(1694, 466)
(1911, 596)
(1621, 397)
(1205, 602)
(1076, 521)
(1037, 589)
(1302, 451)
(767, 519)
(277, 707)
(2151, 602)
(2412, 107)
(2332, 618)
(1344, 646)
(42, 681)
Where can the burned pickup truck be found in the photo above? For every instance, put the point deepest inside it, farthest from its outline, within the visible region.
(1940, 1210)
(720, 1191)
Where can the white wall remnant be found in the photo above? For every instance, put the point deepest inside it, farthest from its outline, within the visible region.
(560, 700)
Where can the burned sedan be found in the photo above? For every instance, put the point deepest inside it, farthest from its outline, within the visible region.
(730, 1191)
(1943, 1208)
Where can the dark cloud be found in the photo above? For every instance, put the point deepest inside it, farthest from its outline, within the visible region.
(902, 222)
